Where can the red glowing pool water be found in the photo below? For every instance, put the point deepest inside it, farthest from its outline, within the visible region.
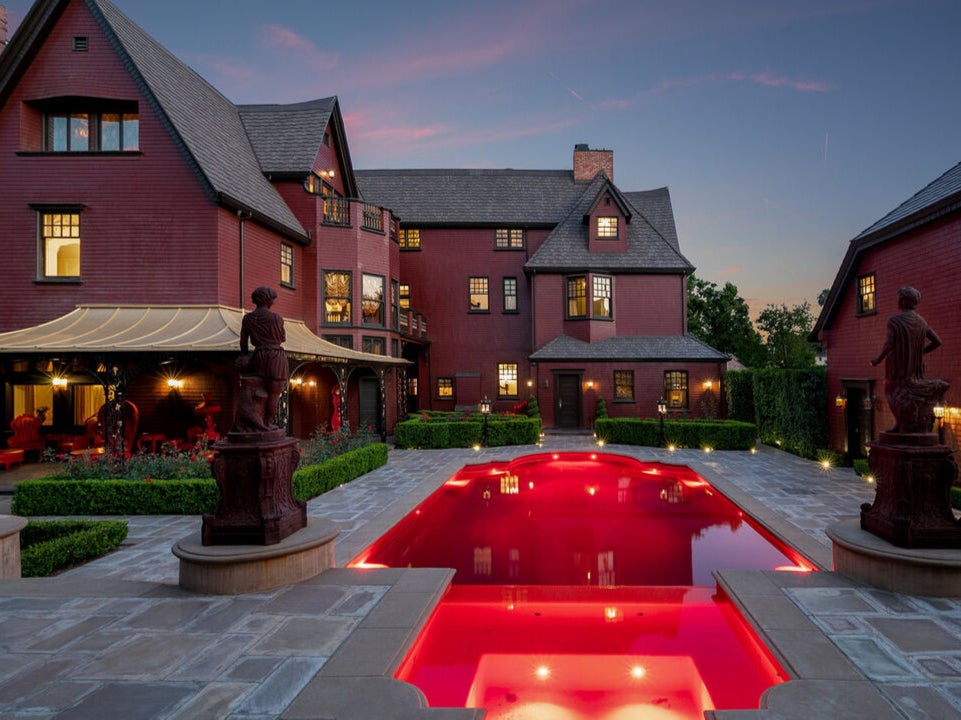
(584, 590)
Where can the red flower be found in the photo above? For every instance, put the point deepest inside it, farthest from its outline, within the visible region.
(148, 479)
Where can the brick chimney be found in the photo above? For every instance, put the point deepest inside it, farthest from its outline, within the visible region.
(587, 162)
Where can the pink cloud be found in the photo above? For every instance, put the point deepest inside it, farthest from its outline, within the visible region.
(286, 40)
(728, 272)
(766, 79)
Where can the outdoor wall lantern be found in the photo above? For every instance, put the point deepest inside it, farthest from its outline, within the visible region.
(175, 383)
(938, 411)
(841, 400)
(59, 383)
(708, 384)
(589, 384)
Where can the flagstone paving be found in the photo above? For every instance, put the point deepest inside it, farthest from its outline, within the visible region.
(117, 637)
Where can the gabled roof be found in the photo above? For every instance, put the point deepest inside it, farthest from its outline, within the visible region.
(619, 200)
(634, 348)
(133, 329)
(204, 124)
(648, 248)
(286, 138)
(936, 200)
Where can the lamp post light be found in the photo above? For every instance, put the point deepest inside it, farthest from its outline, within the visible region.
(662, 411)
(485, 410)
(938, 411)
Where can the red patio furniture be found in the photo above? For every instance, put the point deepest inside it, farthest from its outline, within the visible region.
(26, 433)
(10, 456)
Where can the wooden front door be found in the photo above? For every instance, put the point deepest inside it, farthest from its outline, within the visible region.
(369, 402)
(567, 400)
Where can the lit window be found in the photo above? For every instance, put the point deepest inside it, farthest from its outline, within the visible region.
(445, 388)
(576, 297)
(337, 291)
(286, 265)
(507, 380)
(509, 239)
(394, 304)
(866, 294)
(409, 239)
(91, 131)
(477, 294)
(675, 388)
(607, 227)
(404, 296)
(60, 244)
(624, 385)
(373, 301)
(602, 297)
(510, 295)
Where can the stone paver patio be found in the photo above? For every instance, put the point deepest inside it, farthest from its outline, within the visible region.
(119, 638)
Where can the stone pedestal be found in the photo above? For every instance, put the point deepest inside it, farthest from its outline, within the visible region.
(10, 528)
(253, 472)
(912, 505)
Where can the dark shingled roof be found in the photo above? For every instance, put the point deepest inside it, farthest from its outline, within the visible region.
(286, 137)
(204, 124)
(207, 124)
(638, 348)
(936, 200)
(479, 197)
(544, 198)
(649, 248)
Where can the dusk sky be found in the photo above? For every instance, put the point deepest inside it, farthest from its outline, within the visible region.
(782, 128)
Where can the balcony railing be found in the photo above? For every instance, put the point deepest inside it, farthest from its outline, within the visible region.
(337, 211)
(413, 323)
(373, 218)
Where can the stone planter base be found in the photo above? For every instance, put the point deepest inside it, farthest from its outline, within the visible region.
(10, 527)
(864, 556)
(238, 569)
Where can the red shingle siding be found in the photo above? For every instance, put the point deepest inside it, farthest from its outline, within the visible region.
(928, 259)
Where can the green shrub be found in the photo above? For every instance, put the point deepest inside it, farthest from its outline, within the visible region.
(956, 497)
(861, 466)
(46, 547)
(452, 430)
(791, 409)
(55, 496)
(313, 480)
(533, 409)
(170, 464)
(715, 434)
(600, 408)
(739, 386)
(324, 444)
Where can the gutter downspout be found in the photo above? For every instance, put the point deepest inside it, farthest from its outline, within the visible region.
(243, 217)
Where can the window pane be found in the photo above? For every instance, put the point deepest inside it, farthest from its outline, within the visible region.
(337, 297)
(110, 131)
(60, 244)
(607, 227)
(445, 387)
(478, 297)
(286, 265)
(602, 297)
(507, 380)
(675, 388)
(79, 132)
(405, 296)
(510, 294)
(57, 133)
(373, 301)
(409, 239)
(576, 297)
(131, 131)
(624, 385)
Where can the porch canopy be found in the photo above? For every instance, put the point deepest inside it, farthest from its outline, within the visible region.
(136, 329)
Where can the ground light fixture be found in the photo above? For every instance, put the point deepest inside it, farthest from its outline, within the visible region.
(661, 411)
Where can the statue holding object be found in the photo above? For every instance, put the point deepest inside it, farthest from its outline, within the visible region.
(263, 372)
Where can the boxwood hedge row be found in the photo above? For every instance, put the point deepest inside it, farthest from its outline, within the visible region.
(48, 546)
(439, 432)
(716, 434)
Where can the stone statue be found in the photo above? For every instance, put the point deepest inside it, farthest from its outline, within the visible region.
(910, 396)
(263, 372)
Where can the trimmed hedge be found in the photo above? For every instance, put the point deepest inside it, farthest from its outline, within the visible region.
(439, 433)
(791, 409)
(739, 385)
(51, 496)
(314, 480)
(716, 434)
(48, 546)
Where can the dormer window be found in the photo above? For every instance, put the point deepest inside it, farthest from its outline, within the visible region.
(72, 126)
(607, 227)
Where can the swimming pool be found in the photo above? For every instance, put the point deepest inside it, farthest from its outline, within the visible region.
(584, 590)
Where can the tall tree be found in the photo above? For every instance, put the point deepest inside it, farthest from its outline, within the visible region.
(720, 317)
(786, 330)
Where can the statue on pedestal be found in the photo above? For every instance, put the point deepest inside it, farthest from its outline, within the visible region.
(263, 372)
(911, 397)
